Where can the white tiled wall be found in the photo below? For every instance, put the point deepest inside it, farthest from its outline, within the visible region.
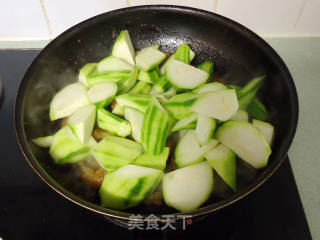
(309, 22)
(63, 14)
(45, 19)
(22, 19)
(208, 5)
(269, 17)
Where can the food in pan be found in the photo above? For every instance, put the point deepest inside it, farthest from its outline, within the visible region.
(156, 123)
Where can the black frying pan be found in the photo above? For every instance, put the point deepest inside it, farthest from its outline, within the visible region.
(238, 53)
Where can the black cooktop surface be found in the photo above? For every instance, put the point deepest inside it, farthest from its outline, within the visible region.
(29, 209)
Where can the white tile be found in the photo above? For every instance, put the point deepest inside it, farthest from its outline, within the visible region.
(201, 4)
(63, 14)
(22, 20)
(270, 17)
(309, 23)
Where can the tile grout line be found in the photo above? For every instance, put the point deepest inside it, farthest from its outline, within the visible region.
(46, 18)
(215, 7)
(300, 14)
